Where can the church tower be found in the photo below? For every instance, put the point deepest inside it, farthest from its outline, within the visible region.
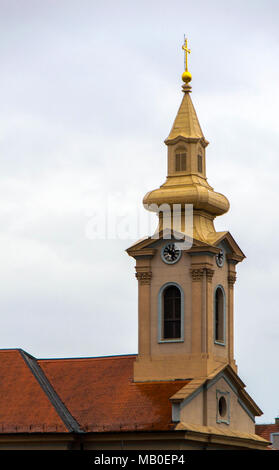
(186, 271)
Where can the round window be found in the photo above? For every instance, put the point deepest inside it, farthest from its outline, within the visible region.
(222, 405)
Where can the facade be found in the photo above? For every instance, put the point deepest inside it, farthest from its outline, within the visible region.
(182, 390)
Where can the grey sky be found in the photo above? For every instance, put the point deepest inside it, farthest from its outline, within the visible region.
(88, 92)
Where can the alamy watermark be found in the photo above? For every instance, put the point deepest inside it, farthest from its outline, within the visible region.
(118, 218)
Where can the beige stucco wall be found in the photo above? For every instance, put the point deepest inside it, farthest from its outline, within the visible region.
(238, 418)
(221, 278)
(180, 274)
(195, 354)
(163, 273)
(193, 411)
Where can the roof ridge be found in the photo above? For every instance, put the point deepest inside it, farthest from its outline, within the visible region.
(14, 350)
(63, 412)
(120, 356)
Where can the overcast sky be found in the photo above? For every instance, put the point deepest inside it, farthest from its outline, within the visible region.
(88, 93)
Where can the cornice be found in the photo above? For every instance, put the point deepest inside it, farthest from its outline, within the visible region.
(203, 250)
(191, 140)
(142, 253)
(234, 259)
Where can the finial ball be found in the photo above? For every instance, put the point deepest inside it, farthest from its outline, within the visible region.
(186, 76)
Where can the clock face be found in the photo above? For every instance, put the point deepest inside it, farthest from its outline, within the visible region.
(220, 258)
(170, 253)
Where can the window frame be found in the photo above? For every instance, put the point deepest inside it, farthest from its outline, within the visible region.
(217, 341)
(227, 397)
(180, 152)
(161, 339)
(200, 163)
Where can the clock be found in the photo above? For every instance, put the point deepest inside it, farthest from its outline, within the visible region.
(170, 253)
(220, 258)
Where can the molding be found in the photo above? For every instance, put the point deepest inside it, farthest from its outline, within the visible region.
(226, 395)
(144, 277)
(197, 274)
(178, 138)
(209, 274)
(246, 409)
(237, 254)
(143, 253)
(234, 258)
(219, 376)
(231, 279)
(203, 250)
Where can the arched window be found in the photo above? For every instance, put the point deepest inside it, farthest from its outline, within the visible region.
(180, 160)
(219, 315)
(171, 312)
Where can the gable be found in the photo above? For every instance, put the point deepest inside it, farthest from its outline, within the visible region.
(147, 246)
(227, 240)
(216, 240)
(219, 400)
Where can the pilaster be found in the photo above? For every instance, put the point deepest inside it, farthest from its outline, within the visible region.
(209, 273)
(202, 313)
(197, 304)
(144, 277)
(231, 282)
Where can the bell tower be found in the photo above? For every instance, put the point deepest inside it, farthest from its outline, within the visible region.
(186, 270)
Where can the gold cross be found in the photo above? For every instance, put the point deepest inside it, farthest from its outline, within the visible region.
(187, 51)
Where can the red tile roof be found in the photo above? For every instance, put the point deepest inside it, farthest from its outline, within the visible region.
(86, 394)
(264, 430)
(101, 395)
(24, 406)
(76, 395)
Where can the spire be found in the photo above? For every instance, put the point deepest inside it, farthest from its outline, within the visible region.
(186, 124)
(186, 180)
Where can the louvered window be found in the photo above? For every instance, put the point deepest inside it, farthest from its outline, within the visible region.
(180, 161)
(199, 163)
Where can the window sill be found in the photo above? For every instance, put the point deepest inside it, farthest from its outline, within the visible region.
(219, 343)
(224, 421)
(178, 340)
